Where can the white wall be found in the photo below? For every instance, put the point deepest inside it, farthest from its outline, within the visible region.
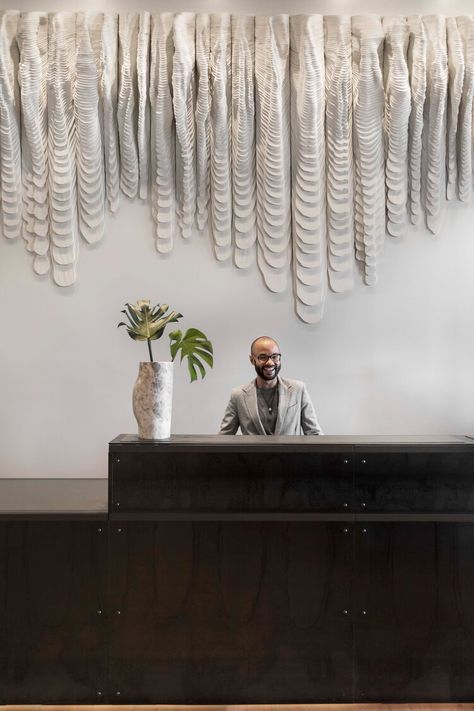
(396, 358)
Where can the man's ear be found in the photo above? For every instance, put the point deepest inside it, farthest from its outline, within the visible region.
(251, 358)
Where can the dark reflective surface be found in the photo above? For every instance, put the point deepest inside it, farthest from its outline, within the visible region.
(238, 612)
(415, 481)
(415, 641)
(230, 482)
(52, 640)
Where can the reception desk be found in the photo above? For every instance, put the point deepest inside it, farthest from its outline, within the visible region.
(243, 570)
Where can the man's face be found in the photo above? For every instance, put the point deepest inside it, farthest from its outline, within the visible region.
(266, 359)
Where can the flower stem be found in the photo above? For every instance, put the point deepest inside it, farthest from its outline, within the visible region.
(149, 350)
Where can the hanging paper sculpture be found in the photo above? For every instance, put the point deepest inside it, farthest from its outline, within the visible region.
(297, 142)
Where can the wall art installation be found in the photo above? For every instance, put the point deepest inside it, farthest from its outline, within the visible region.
(296, 142)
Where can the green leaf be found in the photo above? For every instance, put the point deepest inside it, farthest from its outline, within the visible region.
(196, 347)
(148, 323)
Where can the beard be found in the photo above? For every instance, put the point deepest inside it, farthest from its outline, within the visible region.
(267, 372)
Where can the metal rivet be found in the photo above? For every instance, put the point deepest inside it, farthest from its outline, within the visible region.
(364, 612)
(119, 530)
(346, 461)
(363, 504)
(117, 693)
(117, 461)
(364, 530)
(119, 612)
(99, 530)
(346, 530)
(99, 612)
(364, 461)
(345, 612)
(345, 505)
(99, 693)
(117, 504)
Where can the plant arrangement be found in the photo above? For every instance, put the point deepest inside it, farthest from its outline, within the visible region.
(147, 323)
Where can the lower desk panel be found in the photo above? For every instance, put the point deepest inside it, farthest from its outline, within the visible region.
(236, 612)
(53, 646)
(415, 583)
(231, 612)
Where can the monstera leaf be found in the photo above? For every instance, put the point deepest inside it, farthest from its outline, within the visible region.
(146, 323)
(194, 346)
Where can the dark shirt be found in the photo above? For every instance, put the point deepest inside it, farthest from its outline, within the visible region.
(267, 400)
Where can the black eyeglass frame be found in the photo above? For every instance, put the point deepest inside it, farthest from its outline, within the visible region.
(274, 357)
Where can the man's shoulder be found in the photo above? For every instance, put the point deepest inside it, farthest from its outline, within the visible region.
(292, 383)
(242, 389)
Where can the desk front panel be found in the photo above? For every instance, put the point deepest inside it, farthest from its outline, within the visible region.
(230, 482)
(219, 613)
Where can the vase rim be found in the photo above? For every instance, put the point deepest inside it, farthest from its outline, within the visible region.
(154, 362)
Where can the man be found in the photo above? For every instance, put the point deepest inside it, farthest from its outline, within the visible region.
(269, 404)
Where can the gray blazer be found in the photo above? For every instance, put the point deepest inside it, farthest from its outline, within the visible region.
(296, 413)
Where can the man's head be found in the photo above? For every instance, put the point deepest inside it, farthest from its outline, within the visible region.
(265, 356)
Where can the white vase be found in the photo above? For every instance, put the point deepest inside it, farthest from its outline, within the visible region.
(152, 400)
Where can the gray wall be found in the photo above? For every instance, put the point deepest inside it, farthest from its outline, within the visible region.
(395, 358)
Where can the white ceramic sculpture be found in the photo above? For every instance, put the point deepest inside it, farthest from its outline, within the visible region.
(62, 147)
(184, 89)
(308, 165)
(380, 134)
(143, 121)
(464, 155)
(162, 132)
(108, 87)
(396, 120)
(126, 104)
(434, 134)
(33, 45)
(203, 125)
(368, 113)
(244, 186)
(417, 73)
(272, 91)
(455, 89)
(10, 143)
(339, 163)
(220, 136)
(89, 148)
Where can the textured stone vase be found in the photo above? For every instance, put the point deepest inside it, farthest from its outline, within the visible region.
(152, 400)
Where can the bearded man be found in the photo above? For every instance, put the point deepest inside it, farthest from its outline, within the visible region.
(270, 405)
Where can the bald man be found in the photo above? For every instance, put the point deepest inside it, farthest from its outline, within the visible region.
(270, 405)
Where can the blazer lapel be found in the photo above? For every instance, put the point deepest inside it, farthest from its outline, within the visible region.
(283, 400)
(250, 393)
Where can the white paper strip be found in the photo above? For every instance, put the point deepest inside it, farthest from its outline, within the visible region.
(308, 165)
(417, 71)
(89, 155)
(203, 125)
(10, 143)
(127, 100)
(464, 160)
(273, 149)
(397, 117)
(162, 131)
(368, 114)
(434, 133)
(244, 187)
(143, 125)
(108, 85)
(33, 44)
(339, 163)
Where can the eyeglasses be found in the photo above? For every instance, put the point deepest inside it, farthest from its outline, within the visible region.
(274, 357)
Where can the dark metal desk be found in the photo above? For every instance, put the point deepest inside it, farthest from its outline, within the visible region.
(243, 570)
